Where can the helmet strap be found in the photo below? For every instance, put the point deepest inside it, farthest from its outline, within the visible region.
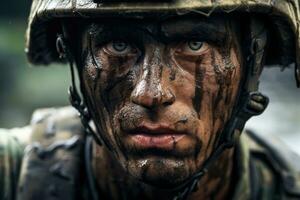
(250, 101)
(75, 99)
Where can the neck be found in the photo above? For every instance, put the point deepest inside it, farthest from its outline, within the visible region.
(114, 183)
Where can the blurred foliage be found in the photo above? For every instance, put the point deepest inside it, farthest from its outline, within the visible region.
(24, 88)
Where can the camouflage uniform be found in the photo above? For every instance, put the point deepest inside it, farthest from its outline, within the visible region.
(11, 153)
(55, 163)
(54, 167)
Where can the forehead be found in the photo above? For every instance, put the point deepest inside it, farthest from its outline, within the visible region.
(171, 27)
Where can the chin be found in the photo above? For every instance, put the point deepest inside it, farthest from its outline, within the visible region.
(160, 172)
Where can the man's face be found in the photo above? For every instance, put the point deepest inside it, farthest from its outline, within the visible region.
(161, 93)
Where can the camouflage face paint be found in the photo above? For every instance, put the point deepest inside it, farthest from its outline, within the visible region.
(161, 94)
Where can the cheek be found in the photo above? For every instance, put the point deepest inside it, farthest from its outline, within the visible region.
(220, 88)
(220, 85)
(107, 87)
(112, 78)
(181, 77)
(209, 88)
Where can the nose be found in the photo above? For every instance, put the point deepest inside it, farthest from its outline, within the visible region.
(152, 95)
(152, 90)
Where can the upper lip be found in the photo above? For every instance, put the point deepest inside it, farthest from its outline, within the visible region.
(155, 129)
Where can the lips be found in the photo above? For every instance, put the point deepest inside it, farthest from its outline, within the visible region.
(155, 136)
(157, 141)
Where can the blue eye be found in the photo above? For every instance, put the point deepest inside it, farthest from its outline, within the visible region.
(120, 46)
(195, 45)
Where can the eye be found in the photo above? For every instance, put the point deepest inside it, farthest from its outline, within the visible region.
(119, 48)
(195, 45)
(192, 47)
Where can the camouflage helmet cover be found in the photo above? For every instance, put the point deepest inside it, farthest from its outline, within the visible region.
(283, 16)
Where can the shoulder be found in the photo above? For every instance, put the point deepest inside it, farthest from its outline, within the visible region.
(277, 166)
(49, 124)
(12, 144)
(53, 160)
(50, 129)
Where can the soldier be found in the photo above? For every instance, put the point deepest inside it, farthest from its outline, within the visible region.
(165, 90)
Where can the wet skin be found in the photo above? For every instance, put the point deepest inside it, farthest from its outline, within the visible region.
(160, 94)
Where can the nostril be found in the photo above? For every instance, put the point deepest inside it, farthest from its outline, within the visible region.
(168, 103)
(168, 98)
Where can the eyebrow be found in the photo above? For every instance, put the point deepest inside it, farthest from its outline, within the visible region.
(107, 32)
(205, 30)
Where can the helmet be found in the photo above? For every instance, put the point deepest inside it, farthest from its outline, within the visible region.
(283, 16)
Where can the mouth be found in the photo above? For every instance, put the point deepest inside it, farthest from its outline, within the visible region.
(165, 141)
(155, 136)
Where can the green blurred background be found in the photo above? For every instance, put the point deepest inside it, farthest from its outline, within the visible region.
(24, 88)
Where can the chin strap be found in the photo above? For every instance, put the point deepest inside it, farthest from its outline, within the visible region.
(75, 99)
(250, 103)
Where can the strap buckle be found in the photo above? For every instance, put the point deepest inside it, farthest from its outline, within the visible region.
(61, 47)
(255, 104)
